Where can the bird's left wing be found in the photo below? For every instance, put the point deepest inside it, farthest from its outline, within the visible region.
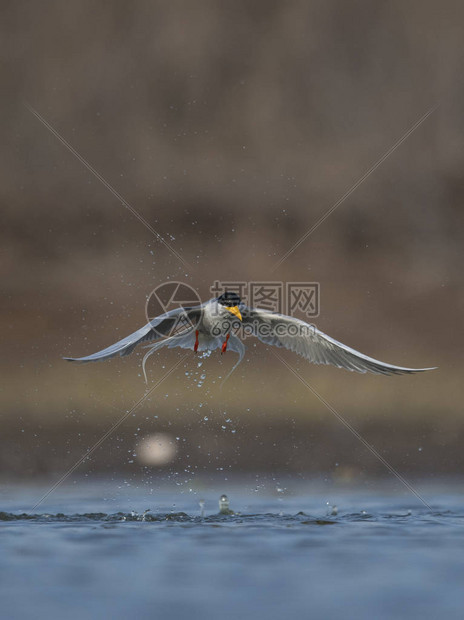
(158, 327)
(306, 340)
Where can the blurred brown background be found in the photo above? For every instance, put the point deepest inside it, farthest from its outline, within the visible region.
(232, 127)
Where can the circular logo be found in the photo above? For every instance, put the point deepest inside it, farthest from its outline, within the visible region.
(171, 296)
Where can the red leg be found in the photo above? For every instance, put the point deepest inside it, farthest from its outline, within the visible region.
(195, 347)
(224, 346)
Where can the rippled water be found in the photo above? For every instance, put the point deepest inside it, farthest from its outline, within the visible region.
(86, 554)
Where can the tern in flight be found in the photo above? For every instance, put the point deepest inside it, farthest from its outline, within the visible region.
(211, 325)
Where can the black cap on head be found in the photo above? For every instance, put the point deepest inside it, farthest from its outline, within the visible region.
(229, 299)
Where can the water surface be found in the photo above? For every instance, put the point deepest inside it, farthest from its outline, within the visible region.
(93, 550)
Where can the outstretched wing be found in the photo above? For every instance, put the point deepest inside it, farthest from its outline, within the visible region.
(303, 339)
(157, 328)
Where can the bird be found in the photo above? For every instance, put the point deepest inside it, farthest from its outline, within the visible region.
(215, 324)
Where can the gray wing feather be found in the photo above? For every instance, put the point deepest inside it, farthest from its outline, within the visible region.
(312, 344)
(163, 324)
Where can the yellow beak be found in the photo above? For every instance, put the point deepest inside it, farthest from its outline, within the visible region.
(235, 310)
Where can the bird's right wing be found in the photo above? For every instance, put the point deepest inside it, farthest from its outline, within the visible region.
(303, 339)
(157, 328)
